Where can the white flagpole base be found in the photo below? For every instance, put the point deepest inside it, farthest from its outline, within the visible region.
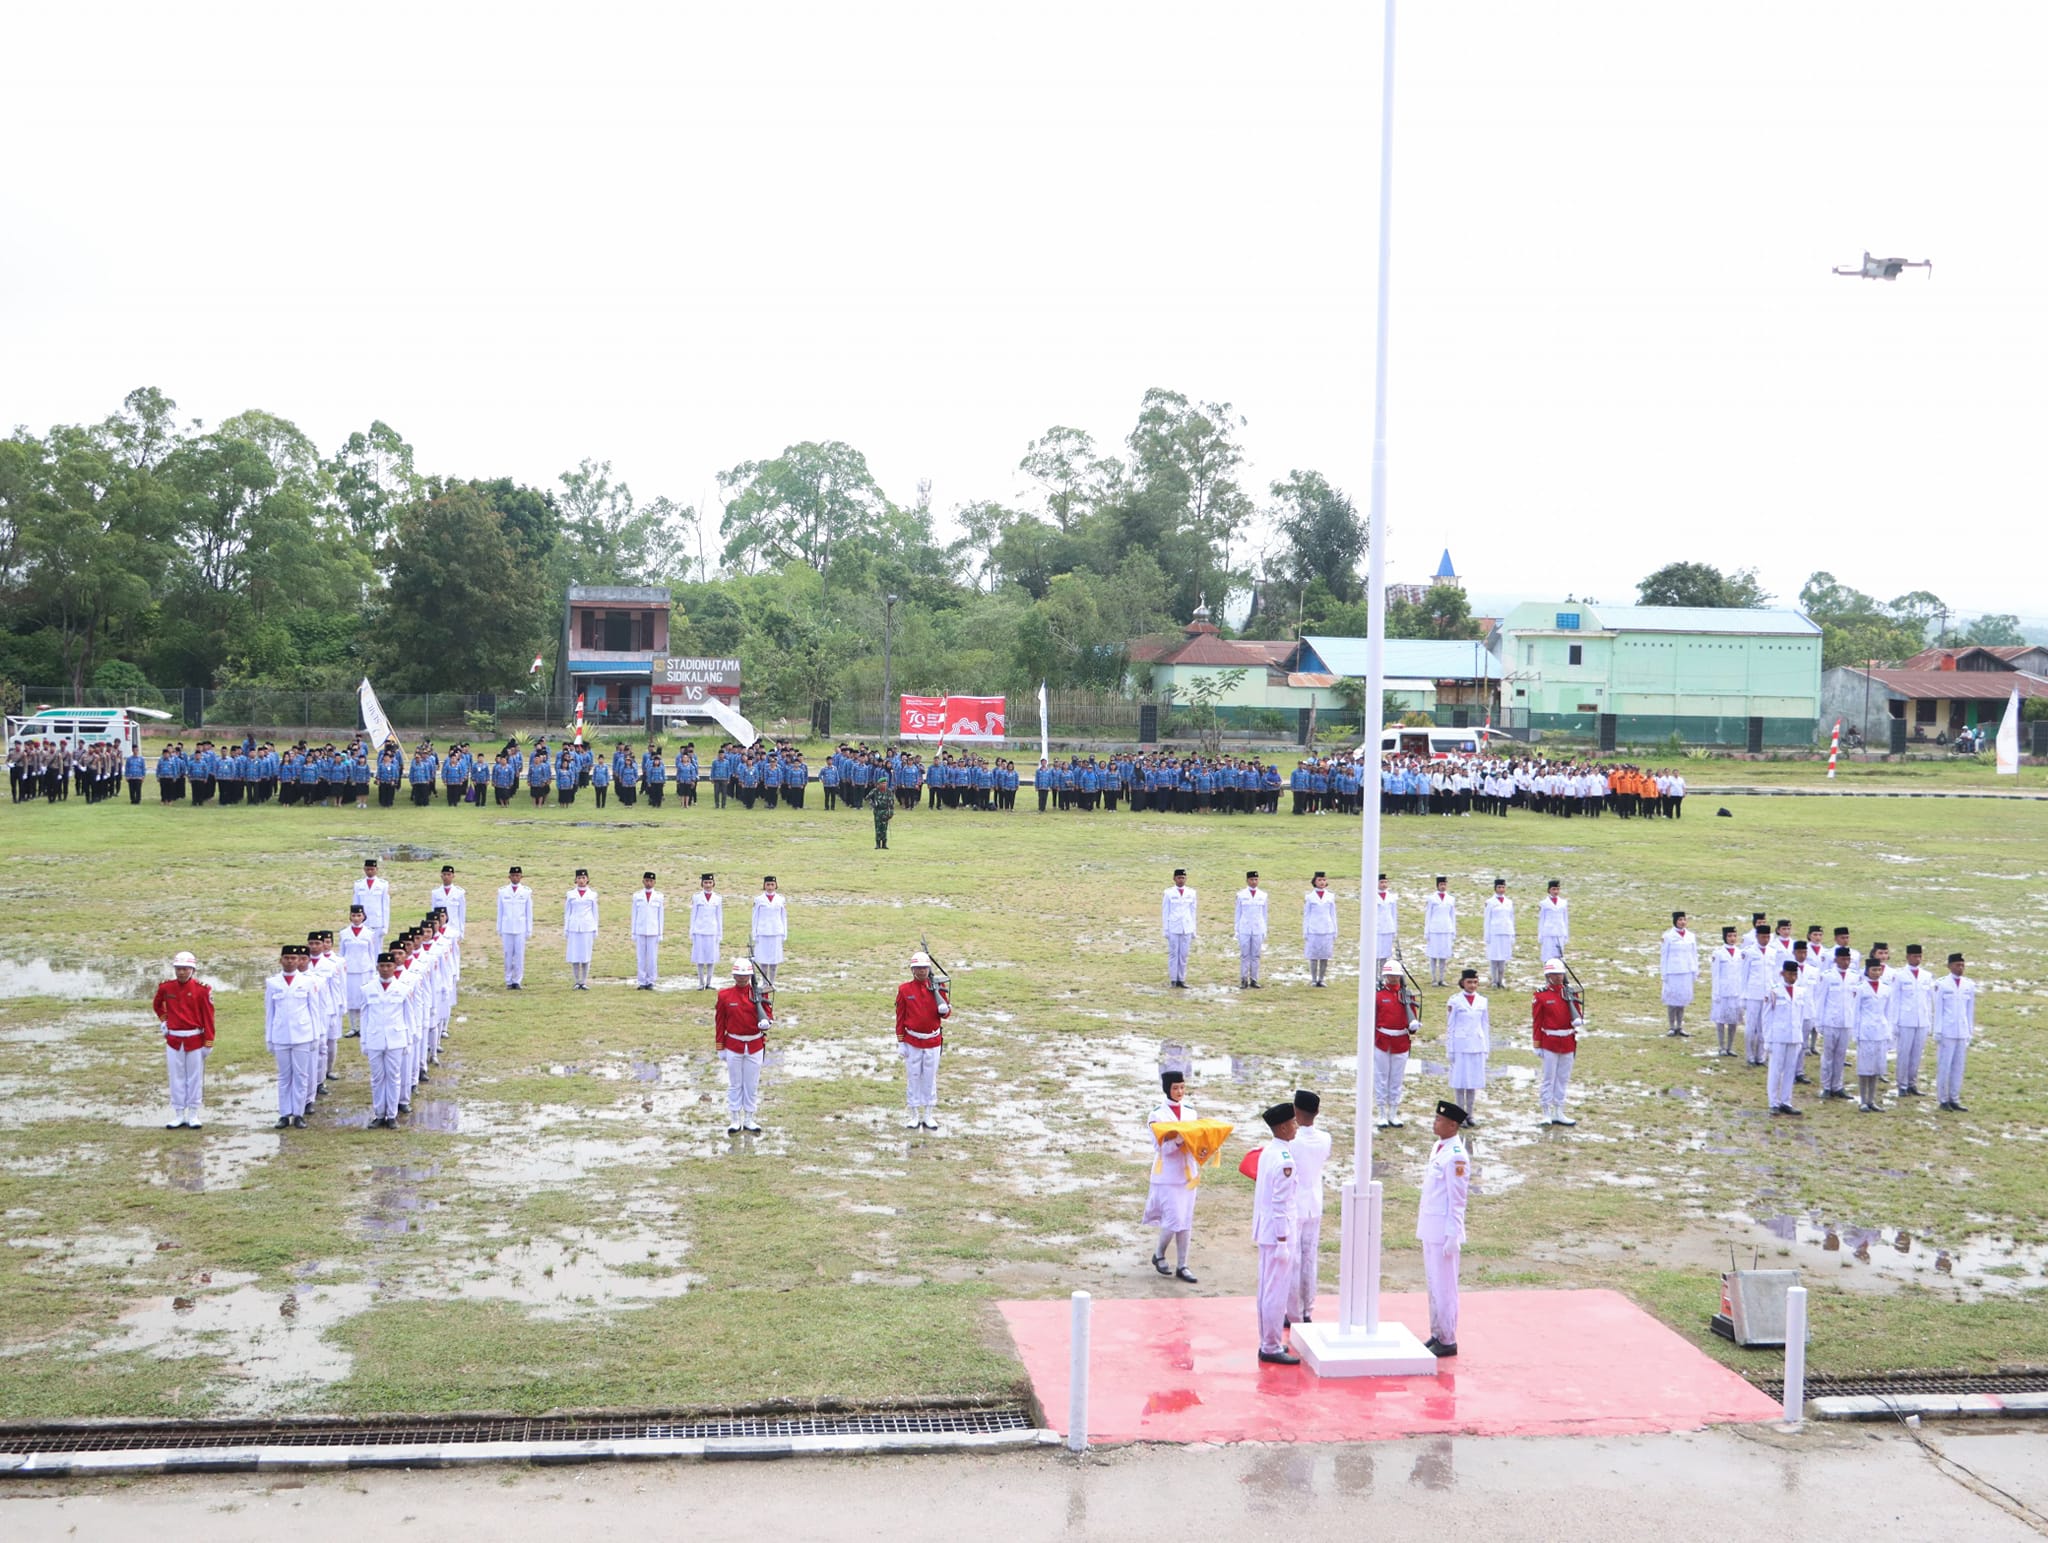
(1358, 1344)
(1393, 1351)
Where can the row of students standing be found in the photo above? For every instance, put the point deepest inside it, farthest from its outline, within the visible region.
(582, 915)
(1790, 998)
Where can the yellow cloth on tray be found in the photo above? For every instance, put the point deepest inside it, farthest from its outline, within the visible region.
(1201, 1143)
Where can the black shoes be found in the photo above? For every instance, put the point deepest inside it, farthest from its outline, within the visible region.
(1439, 1349)
(1159, 1263)
(298, 1122)
(1797, 1114)
(1280, 1358)
(1184, 1273)
(284, 1122)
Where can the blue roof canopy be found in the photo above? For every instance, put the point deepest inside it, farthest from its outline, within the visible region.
(1406, 658)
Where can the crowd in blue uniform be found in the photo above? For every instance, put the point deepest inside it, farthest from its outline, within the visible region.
(1160, 782)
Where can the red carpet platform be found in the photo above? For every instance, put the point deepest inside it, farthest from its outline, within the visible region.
(1531, 1363)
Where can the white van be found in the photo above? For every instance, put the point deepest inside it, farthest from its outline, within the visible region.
(1437, 744)
(82, 727)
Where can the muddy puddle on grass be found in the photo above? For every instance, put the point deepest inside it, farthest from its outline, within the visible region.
(574, 1273)
(273, 1345)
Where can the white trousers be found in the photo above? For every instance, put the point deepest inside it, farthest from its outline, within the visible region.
(1276, 1292)
(1912, 1045)
(387, 1068)
(1554, 1077)
(515, 957)
(1949, 1056)
(742, 1082)
(1177, 955)
(1754, 1050)
(1307, 1263)
(1389, 1072)
(1440, 1270)
(1248, 951)
(921, 1076)
(1785, 1061)
(1834, 1058)
(187, 1069)
(1549, 946)
(646, 958)
(295, 1065)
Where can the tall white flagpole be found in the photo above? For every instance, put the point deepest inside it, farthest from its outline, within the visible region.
(1358, 1344)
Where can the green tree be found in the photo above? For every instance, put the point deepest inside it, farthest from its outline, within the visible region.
(1702, 584)
(1995, 631)
(463, 610)
(1443, 612)
(609, 539)
(373, 476)
(1188, 454)
(1076, 480)
(1856, 628)
(1325, 539)
(984, 524)
(798, 507)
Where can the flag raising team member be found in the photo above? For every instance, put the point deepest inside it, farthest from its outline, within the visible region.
(922, 1007)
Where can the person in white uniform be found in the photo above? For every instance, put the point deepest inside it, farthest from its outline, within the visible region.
(374, 896)
(291, 1033)
(1724, 1004)
(1311, 1148)
(1955, 1022)
(771, 929)
(1319, 929)
(1439, 930)
(1836, 1012)
(650, 918)
(1276, 1230)
(1251, 917)
(1913, 1013)
(1170, 1199)
(1784, 1030)
(1553, 922)
(1874, 1028)
(1440, 1225)
(1386, 925)
(1759, 978)
(358, 950)
(579, 928)
(1468, 1040)
(451, 897)
(515, 925)
(1678, 962)
(1500, 932)
(707, 929)
(383, 1029)
(1177, 920)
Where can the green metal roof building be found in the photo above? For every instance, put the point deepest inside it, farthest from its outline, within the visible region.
(1636, 674)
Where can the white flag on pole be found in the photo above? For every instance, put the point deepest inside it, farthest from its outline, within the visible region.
(375, 724)
(2009, 738)
(1044, 729)
(536, 665)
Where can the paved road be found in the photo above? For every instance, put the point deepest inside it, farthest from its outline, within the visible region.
(1832, 1481)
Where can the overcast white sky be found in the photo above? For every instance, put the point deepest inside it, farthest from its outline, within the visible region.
(679, 236)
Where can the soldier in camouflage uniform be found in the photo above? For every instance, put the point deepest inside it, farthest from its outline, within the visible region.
(882, 804)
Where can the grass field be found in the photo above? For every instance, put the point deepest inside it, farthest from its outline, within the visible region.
(566, 1224)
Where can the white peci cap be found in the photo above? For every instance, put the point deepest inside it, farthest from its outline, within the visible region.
(920, 960)
(1390, 968)
(1553, 967)
(743, 967)
(183, 960)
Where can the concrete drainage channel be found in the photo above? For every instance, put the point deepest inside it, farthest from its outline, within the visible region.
(1932, 1394)
(131, 1447)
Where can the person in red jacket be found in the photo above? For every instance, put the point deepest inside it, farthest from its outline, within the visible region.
(922, 1007)
(184, 1006)
(739, 1029)
(1555, 1026)
(1393, 1031)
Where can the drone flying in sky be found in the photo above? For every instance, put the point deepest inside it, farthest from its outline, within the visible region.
(1885, 267)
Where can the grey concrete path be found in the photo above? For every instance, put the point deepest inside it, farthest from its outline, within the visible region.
(1828, 1482)
(1767, 790)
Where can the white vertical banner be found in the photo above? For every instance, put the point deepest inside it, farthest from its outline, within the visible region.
(375, 724)
(2009, 738)
(1044, 726)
